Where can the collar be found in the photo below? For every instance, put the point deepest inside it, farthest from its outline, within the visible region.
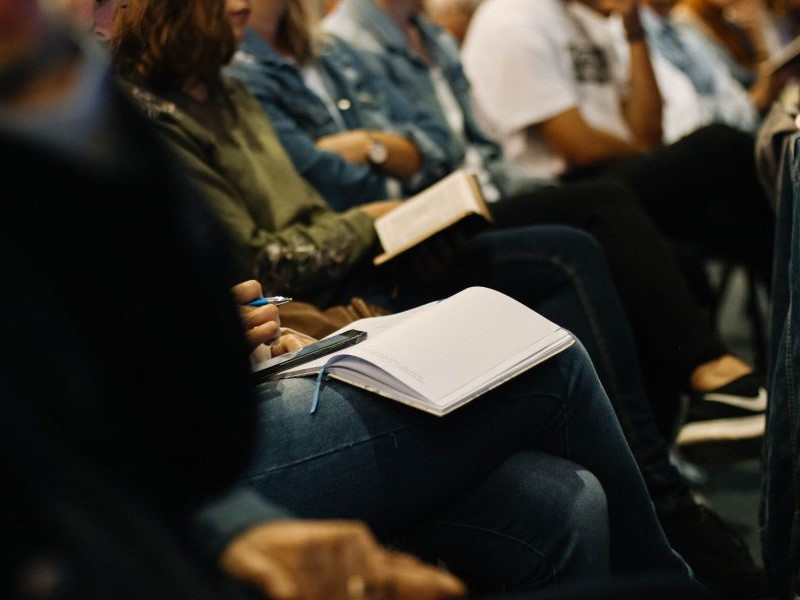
(377, 22)
(260, 49)
(651, 20)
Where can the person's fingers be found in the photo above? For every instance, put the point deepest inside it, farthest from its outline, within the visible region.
(246, 291)
(407, 577)
(248, 564)
(289, 343)
(255, 316)
(263, 334)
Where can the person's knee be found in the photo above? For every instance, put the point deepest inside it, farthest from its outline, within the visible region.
(726, 140)
(616, 200)
(575, 519)
(576, 247)
(584, 518)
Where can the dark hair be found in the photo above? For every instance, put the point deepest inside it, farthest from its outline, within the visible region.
(166, 44)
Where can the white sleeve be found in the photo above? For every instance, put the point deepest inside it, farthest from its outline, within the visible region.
(519, 75)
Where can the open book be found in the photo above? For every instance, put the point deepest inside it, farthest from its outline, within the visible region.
(434, 209)
(441, 355)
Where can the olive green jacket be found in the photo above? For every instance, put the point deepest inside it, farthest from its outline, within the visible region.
(285, 235)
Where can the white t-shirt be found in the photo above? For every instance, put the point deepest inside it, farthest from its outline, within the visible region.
(530, 60)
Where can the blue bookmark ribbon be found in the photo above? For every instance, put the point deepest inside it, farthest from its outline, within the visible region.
(321, 376)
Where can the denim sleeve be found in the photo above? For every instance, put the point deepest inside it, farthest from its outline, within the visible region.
(342, 184)
(429, 134)
(219, 521)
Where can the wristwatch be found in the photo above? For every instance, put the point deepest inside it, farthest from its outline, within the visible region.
(377, 153)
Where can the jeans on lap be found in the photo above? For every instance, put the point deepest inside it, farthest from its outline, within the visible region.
(362, 456)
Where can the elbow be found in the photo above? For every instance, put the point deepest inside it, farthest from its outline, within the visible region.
(583, 154)
(651, 134)
(648, 130)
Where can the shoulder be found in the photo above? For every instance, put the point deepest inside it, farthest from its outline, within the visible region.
(154, 106)
(264, 78)
(516, 22)
(344, 57)
(240, 96)
(439, 36)
(338, 24)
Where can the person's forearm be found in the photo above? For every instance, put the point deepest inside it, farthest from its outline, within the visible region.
(580, 143)
(643, 109)
(403, 160)
(403, 157)
(600, 146)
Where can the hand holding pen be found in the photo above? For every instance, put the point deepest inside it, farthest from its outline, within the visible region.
(259, 316)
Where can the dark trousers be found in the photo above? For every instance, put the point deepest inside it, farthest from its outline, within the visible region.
(702, 189)
(672, 333)
(560, 272)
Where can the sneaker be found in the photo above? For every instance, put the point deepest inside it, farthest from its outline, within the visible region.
(719, 558)
(733, 413)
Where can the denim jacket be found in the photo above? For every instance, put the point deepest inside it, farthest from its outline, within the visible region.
(364, 101)
(780, 493)
(369, 28)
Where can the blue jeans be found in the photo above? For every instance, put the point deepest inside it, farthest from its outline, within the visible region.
(561, 272)
(780, 501)
(514, 487)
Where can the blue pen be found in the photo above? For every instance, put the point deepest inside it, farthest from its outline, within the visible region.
(274, 300)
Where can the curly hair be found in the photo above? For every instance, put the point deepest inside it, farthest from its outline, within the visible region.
(168, 44)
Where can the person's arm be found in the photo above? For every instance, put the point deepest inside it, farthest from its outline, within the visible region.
(545, 99)
(643, 106)
(384, 106)
(403, 159)
(580, 144)
(343, 183)
(304, 256)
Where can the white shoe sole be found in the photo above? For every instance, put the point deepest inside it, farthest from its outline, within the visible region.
(722, 430)
(757, 404)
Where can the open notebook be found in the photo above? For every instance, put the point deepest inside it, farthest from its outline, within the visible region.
(442, 355)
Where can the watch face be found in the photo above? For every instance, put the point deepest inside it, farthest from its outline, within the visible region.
(378, 153)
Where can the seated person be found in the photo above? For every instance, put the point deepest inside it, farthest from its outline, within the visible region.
(577, 117)
(694, 80)
(375, 146)
(300, 245)
(741, 31)
(402, 46)
(115, 428)
(330, 147)
(158, 409)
